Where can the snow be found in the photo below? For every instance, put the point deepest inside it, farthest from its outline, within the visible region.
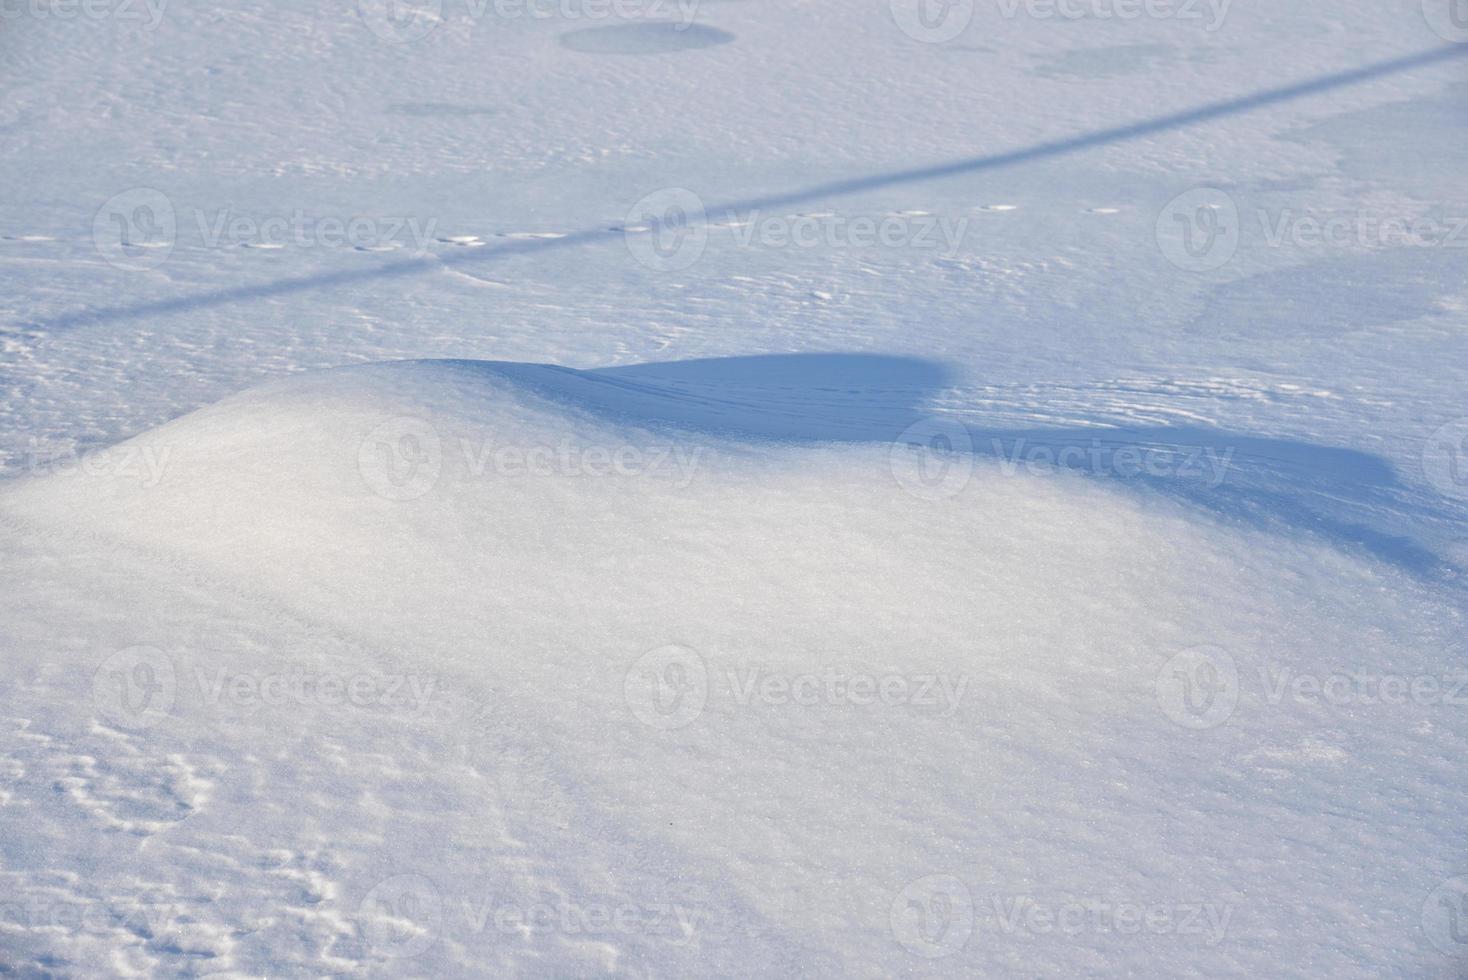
(732, 489)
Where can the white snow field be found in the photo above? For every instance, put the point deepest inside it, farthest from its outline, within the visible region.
(734, 488)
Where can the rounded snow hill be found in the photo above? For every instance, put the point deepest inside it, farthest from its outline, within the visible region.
(772, 663)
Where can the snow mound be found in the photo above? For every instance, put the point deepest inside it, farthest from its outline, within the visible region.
(719, 667)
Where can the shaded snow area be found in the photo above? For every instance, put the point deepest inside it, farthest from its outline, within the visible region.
(734, 489)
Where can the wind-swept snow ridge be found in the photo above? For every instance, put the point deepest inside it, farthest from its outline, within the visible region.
(698, 668)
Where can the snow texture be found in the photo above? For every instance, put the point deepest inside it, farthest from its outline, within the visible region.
(733, 489)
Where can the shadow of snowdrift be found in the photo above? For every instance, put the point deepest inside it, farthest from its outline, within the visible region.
(1349, 498)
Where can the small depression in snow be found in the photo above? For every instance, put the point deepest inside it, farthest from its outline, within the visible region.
(651, 38)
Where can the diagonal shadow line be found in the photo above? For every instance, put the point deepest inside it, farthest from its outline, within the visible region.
(1116, 134)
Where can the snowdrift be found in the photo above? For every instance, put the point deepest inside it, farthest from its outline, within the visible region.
(452, 667)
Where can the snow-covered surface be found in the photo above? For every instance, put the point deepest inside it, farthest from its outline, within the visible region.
(943, 556)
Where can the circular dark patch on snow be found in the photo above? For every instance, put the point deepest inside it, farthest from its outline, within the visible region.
(651, 38)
